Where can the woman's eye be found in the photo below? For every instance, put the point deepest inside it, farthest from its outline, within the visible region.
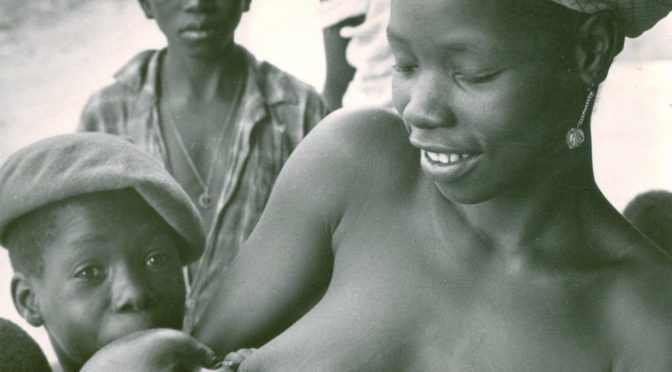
(477, 78)
(90, 273)
(156, 259)
(404, 68)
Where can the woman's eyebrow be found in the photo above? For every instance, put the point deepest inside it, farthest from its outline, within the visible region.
(453, 45)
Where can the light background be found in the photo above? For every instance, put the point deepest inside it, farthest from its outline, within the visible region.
(49, 67)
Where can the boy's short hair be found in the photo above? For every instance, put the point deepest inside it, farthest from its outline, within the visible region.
(18, 351)
(58, 168)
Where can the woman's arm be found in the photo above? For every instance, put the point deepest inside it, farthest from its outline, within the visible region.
(285, 266)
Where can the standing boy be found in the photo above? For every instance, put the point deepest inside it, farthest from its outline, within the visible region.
(222, 122)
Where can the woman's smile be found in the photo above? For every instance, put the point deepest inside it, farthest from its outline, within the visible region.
(447, 166)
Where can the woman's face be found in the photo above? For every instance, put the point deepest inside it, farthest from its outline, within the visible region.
(483, 95)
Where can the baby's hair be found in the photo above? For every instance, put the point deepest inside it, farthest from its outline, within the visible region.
(18, 351)
(651, 213)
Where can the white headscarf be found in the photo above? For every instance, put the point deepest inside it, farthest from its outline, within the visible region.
(637, 15)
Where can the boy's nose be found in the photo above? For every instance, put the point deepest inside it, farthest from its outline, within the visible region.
(130, 291)
(197, 5)
(429, 104)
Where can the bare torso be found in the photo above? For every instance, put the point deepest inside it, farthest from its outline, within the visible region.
(206, 129)
(413, 288)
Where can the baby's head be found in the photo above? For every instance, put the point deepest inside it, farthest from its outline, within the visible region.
(18, 351)
(651, 213)
(97, 233)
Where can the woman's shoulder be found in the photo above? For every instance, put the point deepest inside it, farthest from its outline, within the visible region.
(363, 130)
(347, 158)
(370, 141)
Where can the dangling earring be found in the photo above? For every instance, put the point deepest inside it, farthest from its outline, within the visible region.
(575, 136)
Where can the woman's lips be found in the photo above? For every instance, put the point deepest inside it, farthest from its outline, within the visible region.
(443, 158)
(447, 166)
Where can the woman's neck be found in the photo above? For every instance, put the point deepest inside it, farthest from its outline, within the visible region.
(546, 213)
(203, 79)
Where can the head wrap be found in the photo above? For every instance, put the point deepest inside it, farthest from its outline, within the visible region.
(637, 16)
(65, 166)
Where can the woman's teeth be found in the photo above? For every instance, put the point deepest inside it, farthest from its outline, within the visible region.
(445, 158)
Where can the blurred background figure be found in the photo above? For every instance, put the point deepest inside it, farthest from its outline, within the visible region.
(359, 60)
(18, 351)
(651, 213)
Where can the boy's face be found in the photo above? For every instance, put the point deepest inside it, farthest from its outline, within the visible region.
(111, 269)
(199, 28)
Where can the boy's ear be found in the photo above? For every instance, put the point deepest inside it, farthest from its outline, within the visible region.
(147, 9)
(599, 40)
(25, 300)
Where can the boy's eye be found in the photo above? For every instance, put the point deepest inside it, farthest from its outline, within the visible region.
(90, 273)
(156, 259)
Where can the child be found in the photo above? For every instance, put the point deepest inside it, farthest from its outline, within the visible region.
(651, 213)
(222, 122)
(97, 233)
(18, 351)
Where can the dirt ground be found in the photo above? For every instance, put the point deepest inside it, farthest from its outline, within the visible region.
(50, 64)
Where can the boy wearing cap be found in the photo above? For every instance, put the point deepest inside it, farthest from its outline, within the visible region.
(222, 122)
(97, 233)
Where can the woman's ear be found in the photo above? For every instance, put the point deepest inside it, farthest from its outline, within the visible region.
(599, 40)
(25, 300)
(147, 9)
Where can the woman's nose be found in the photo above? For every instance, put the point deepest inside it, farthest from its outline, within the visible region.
(131, 291)
(429, 103)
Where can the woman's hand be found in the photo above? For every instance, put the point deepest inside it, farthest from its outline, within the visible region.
(153, 350)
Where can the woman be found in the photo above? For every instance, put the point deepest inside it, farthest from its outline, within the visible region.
(483, 244)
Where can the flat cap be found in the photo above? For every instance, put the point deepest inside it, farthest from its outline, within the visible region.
(65, 166)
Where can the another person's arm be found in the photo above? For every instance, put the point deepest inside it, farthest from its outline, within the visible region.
(339, 71)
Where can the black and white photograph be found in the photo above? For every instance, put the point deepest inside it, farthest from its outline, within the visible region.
(336, 185)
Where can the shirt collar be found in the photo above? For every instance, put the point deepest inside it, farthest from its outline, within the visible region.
(270, 86)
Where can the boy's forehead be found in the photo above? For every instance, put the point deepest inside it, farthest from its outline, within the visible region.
(116, 210)
(106, 222)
